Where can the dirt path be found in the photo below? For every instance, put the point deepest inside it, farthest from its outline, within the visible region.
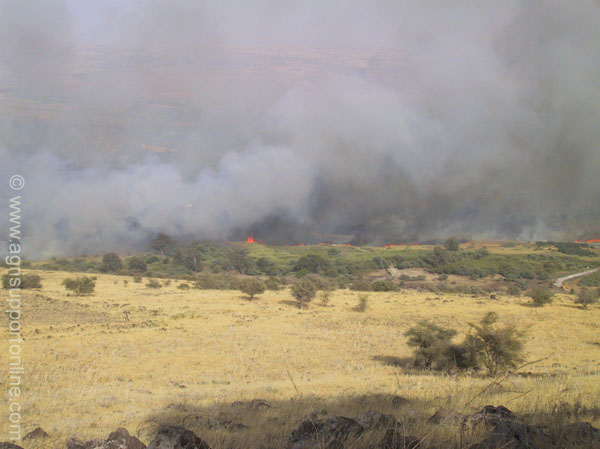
(559, 281)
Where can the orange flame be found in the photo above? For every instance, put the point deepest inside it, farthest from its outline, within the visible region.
(250, 239)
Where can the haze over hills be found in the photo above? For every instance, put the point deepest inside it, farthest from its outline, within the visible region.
(382, 121)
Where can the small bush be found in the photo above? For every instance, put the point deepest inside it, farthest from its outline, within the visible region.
(540, 296)
(273, 284)
(252, 287)
(496, 348)
(137, 279)
(325, 297)
(153, 283)
(136, 264)
(304, 292)
(386, 285)
(434, 348)
(586, 297)
(361, 285)
(23, 281)
(80, 286)
(363, 303)
(125, 282)
(183, 287)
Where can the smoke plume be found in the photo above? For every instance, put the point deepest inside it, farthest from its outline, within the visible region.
(375, 121)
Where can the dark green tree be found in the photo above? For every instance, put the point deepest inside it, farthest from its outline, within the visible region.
(162, 243)
(540, 296)
(239, 260)
(451, 244)
(137, 264)
(111, 263)
(252, 287)
(586, 297)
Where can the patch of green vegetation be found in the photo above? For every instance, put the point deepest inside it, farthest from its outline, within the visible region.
(216, 264)
(591, 280)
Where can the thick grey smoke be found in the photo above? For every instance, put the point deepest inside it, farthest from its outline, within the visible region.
(378, 120)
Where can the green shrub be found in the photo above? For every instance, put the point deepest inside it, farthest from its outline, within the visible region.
(379, 263)
(153, 283)
(273, 284)
(361, 285)
(304, 291)
(183, 287)
(136, 263)
(313, 264)
(80, 286)
(252, 287)
(540, 296)
(496, 348)
(215, 282)
(591, 280)
(575, 249)
(24, 281)
(586, 297)
(111, 263)
(325, 297)
(386, 285)
(152, 259)
(434, 348)
(363, 303)
(137, 279)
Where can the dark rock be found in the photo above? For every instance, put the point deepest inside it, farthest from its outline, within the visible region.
(122, 436)
(579, 433)
(96, 443)
(443, 415)
(330, 433)
(515, 435)
(175, 437)
(508, 431)
(74, 443)
(38, 432)
(393, 439)
(8, 445)
(398, 401)
(489, 415)
(376, 420)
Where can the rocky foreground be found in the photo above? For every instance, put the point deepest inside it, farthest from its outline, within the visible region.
(499, 426)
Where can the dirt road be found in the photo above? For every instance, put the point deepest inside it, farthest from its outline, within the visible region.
(559, 281)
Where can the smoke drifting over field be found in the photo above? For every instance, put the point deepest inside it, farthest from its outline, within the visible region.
(383, 120)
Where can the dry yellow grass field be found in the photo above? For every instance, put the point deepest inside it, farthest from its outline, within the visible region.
(125, 354)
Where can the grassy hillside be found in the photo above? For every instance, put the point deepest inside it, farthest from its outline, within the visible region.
(134, 356)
